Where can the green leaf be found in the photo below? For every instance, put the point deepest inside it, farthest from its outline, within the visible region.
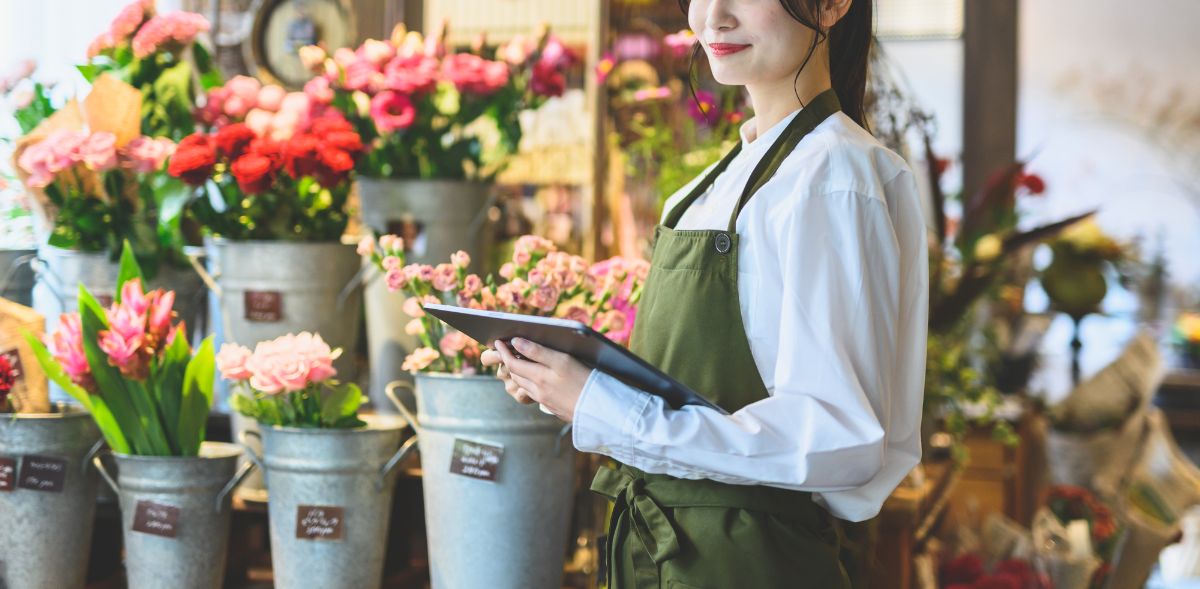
(197, 399)
(341, 402)
(89, 71)
(129, 269)
(109, 382)
(168, 387)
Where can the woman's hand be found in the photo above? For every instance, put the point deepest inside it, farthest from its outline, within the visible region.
(545, 376)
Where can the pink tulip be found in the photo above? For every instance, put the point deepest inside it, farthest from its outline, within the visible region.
(122, 352)
(134, 297)
(161, 313)
(66, 346)
(126, 322)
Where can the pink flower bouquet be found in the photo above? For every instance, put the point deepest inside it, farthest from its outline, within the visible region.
(131, 366)
(427, 112)
(104, 193)
(538, 281)
(158, 54)
(289, 382)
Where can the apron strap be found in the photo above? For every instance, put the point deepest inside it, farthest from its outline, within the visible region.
(825, 104)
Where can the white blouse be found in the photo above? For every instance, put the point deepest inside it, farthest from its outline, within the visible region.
(833, 281)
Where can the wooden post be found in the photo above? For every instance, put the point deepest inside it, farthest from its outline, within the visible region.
(989, 88)
(596, 207)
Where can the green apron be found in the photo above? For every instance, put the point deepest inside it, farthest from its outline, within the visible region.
(676, 533)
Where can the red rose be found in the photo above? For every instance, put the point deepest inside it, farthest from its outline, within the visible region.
(347, 141)
(233, 139)
(193, 159)
(267, 148)
(335, 166)
(300, 156)
(253, 172)
(547, 80)
(329, 124)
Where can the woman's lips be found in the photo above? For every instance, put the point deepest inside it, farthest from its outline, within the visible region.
(723, 49)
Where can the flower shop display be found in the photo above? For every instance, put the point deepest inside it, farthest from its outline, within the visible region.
(497, 475)
(330, 472)
(131, 366)
(439, 124)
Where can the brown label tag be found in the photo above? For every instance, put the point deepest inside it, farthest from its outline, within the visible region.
(8, 473)
(43, 473)
(14, 359)
(476, 460)
(264, 306)
(320, 522)
(156, 518)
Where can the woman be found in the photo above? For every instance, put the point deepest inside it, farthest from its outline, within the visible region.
(787, 285)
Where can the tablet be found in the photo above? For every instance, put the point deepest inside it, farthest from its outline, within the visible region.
(572, 337)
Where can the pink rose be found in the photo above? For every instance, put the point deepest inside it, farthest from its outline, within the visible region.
(236, 107)
(376, 52)
(147, 154)
(392, 263)
(366, 246)
(411, 75)
(359, 74)
(391, 243)
(259, 121)
(270, 97)
(99, 151)
(246, 88)
(231, 362)
(168, 31)
(472, 74)
(507, 271)
(319, 90)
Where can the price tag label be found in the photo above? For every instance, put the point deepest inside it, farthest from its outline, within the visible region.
(156, 519)
(8, 473)
(320, 522)
(43, 473)
(264, 306)
(476, 459)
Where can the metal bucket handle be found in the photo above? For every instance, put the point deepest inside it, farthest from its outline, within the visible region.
(12, 269)
(87, 458)
(237, 479)
(250, 453)
(390, 391)
(405, 449)
(51, 280)
(98, 461)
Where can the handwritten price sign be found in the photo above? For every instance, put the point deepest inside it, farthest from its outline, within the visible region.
(476, 459)
(320, 522)
(156, 519)
(43, 473)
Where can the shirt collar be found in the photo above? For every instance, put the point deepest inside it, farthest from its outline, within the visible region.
(760, 142)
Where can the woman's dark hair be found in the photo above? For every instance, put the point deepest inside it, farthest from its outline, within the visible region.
(849, 50)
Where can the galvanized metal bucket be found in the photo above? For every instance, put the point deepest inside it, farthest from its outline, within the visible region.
(499, 484)
(264, 289)
(331, 500)
(176, 515)
(46, 534)
(16, 275)
(59, 272)
(436, 218)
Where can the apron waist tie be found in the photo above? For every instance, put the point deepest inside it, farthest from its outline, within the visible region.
(639, 499)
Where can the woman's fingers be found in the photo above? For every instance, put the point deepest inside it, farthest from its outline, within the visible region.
(490, 358)
(517, 393)
(539, 353)
(526, 368)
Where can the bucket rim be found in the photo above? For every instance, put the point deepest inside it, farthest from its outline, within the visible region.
(455, 376)
(58, 410)
(445, 181)
(216, 451)
(382, 423)
(223, 241)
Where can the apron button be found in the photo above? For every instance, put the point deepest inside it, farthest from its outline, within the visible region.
(723, 243)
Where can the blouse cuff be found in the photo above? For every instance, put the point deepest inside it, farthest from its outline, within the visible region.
(606, 414)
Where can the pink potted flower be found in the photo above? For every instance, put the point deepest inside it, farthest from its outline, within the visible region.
(316, 450)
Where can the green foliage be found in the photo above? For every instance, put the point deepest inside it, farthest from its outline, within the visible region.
(321, 405)
(298, 211)
(39, 109)
(954, 389)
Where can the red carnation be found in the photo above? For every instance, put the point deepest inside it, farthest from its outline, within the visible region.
(347, 141)
(335, 166)
(300, 156)
(233, 139)
(330, 124)
(253, 172)
(193, 160)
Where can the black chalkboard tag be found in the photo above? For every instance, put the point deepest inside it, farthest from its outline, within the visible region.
(476, 459)
(156, 519)
(43, 473)
(320, 522)
(8, 473)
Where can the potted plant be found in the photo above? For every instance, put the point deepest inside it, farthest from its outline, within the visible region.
(273, 200)
(439, 125)
(47, 485)
(130, 365)
(329, 472)
(30, 100)
(498, 476)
